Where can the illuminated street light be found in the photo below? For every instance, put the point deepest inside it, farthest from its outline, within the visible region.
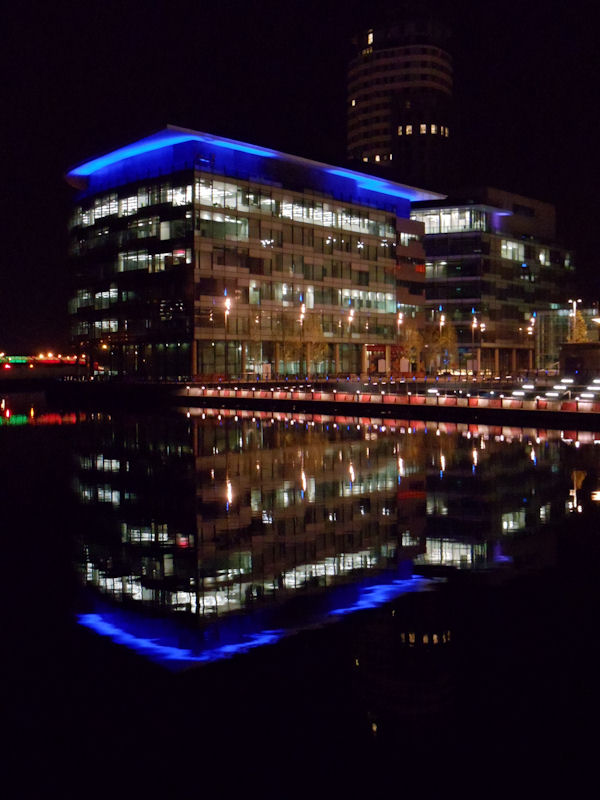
(227, 312)
(573, 315)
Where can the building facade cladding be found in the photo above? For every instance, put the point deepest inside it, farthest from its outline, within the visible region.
(399, 102)
(491, 270)
(207, 257)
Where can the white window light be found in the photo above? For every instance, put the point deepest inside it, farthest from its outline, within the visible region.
(409, 130)
(423, 128)
(353, 102)
(400, 128)
(433, 128)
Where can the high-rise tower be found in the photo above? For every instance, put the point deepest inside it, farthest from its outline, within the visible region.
(400, 100)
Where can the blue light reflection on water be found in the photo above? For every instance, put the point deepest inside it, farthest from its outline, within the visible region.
(164, 641)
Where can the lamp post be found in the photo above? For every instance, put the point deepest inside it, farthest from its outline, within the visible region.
(399, 324)
(302, 314)
(573, 315)
(227, 311)
(442, 323)
(479, 352)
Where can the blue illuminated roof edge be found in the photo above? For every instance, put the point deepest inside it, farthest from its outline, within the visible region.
(172, 135)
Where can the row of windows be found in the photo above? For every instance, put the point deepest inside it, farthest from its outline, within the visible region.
(295, 264)
(399, 79)
(393, 60)
(316, 212)
(111, 205)
(433, 128)
(411, 49)
(452, 220)
(101, 328)
(149, 228)
(152, 262)
(281, 325)
(232, 196)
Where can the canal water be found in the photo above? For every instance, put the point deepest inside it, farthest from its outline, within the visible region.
(296, 598)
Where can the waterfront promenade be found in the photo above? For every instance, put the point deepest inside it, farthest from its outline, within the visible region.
(543, 405)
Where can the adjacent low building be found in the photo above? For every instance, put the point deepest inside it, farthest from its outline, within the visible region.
(195, 255)
(493, 264)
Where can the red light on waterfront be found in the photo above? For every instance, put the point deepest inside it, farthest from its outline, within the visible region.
(7, 366)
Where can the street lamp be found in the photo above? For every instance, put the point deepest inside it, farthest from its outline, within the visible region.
(479, 352)
(227, 311)
(302, 314)
(573, 315)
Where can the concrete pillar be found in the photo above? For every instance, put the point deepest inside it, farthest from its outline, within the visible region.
(194, 358)
(243, 360)
(530, 360)
(277, 357)
(513, 361)
(308, 357)
(364, 365)
(388, 359)
(479, 360)
(496, 361)
(336, 358)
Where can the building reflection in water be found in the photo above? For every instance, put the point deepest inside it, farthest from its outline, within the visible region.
(266, 523)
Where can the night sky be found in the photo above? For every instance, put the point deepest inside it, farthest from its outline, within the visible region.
(80, 79)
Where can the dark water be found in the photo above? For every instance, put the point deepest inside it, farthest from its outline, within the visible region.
(264, 601)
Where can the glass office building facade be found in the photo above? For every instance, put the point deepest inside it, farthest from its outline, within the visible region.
(493, 265)
(193, 255)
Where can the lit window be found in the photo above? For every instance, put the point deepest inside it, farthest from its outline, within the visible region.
(447, 132)
(353, 103)
(377, 158)
(399, 130)
(370, 37)
(515, 251)
(365, 158)
(433, 129)
(390, 156)
(408, 130)
(422, 128)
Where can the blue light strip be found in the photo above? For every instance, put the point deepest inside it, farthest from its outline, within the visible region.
(157, 649)
(372, 184)
(166, 138)
(153, 649)
(172, 136)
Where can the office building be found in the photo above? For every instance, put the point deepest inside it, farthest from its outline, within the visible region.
(493, 264)
(195, 255)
